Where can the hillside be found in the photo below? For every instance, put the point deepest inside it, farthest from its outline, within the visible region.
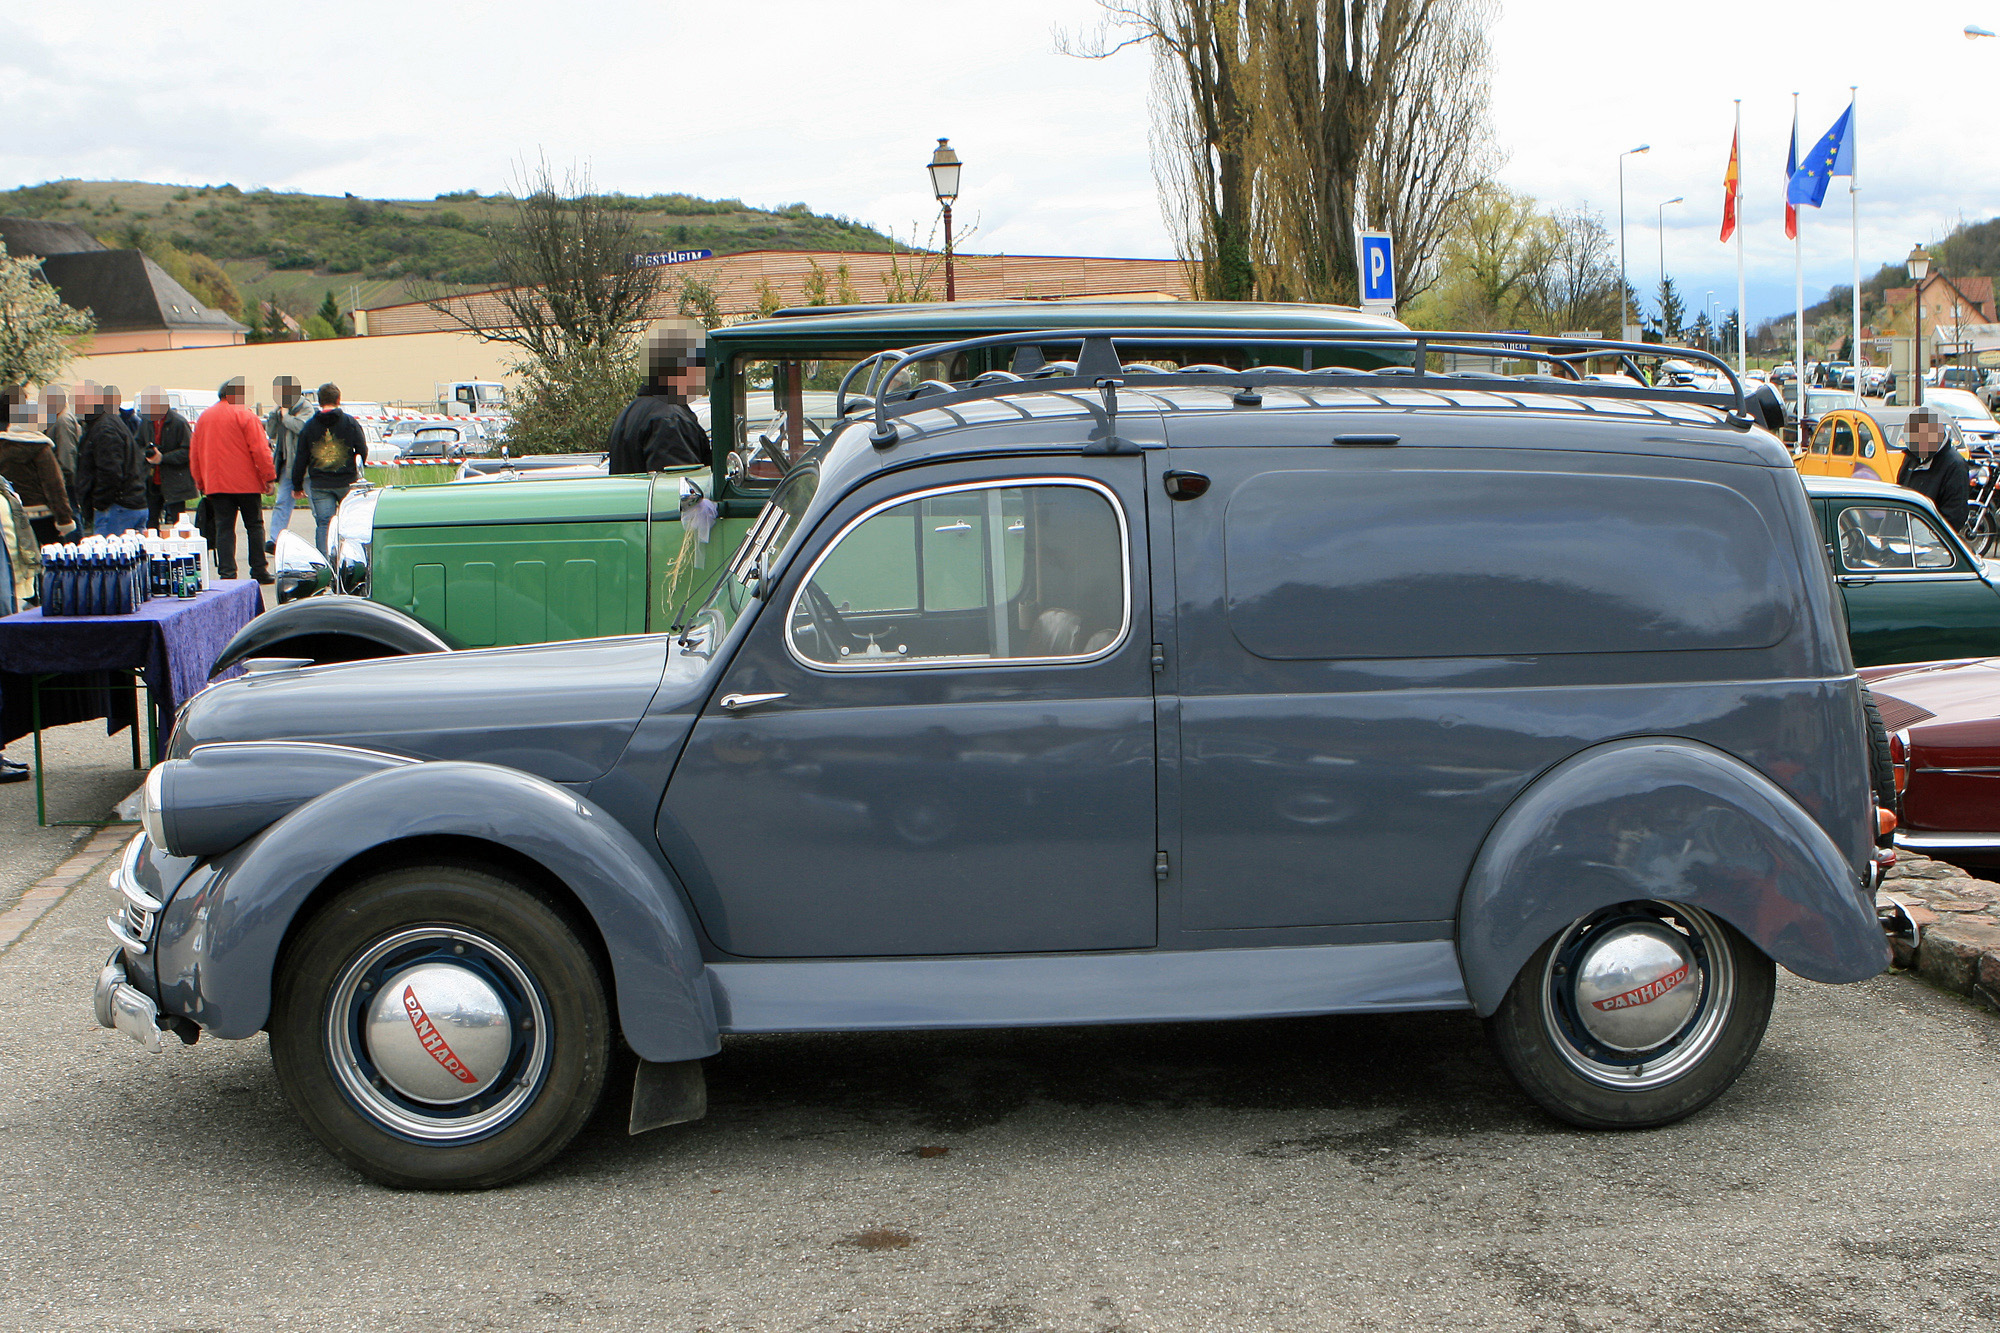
(292, 248)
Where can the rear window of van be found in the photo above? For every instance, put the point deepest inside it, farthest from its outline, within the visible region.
(1341, 565)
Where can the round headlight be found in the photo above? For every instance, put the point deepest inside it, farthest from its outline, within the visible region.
(150, 815)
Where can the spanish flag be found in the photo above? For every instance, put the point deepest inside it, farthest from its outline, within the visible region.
(1729, 192)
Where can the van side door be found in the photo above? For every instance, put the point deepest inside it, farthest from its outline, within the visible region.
(938, 735)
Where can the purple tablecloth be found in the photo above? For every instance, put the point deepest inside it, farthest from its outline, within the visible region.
(171, 642)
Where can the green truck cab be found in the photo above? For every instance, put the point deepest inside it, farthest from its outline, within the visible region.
(542, 554)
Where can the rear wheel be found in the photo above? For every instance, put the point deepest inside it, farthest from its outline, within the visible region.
(439, 1027)
(1881, 762)
(1635, 1016)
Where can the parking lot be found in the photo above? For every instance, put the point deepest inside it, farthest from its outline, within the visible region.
(1328, 1173)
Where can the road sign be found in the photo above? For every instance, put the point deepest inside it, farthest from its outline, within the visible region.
(663, 257)
(1377, 253)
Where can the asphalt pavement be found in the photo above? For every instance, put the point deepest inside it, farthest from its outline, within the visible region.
(1369, 1174)
(1303, 1174)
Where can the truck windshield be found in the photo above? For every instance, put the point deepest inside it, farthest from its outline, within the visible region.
(763, 546)
(491, 395)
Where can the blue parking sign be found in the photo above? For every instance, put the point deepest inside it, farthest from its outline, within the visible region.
(1378, 268)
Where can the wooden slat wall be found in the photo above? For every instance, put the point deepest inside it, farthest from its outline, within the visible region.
(738, 281)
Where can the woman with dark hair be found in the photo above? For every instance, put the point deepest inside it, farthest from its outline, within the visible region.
(28, 461)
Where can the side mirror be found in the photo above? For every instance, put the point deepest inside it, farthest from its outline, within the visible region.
(1766, 408)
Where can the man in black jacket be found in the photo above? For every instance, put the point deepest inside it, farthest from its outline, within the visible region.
(657, 429)
(110, 466)
(1932, 467)
(165, 436)
(332, 447)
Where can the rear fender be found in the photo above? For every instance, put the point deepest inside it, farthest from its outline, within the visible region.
(222, 933)
(342, 629)
(1672, 821)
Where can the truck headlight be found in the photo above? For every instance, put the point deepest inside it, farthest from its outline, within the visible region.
(151, 816)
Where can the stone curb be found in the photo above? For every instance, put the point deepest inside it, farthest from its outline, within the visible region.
(1944, 925)
(53, 887)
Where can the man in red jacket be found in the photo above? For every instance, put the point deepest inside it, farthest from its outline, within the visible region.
(231, 462)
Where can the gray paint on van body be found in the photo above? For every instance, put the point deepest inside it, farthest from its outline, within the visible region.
(1264, 781)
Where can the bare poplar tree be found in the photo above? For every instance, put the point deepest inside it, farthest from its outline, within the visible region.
(1204, 79)
(1279, 126)
(1433, 143)
(1578, 284)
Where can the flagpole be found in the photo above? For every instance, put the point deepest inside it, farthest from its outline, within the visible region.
(1798, 280)
(1854, 205)
(1740, 300)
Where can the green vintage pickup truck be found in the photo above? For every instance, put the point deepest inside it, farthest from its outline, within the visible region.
(511, 558)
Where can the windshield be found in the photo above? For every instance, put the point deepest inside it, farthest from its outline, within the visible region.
(770, 536)
(1965, 408)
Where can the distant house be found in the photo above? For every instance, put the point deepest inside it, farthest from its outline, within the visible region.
(139, 308)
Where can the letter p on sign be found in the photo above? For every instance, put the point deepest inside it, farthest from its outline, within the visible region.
(1378, 270)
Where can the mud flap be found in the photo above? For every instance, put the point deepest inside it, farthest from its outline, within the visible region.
(667, 1094)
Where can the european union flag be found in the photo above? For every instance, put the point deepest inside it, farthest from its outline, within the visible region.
(1832, 156)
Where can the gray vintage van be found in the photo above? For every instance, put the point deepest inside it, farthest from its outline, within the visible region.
(1093, 693)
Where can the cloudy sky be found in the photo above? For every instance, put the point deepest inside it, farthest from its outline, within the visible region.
(838, 106)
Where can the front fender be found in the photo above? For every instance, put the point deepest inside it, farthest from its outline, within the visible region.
(1673, 821)
(220, 936)
(330, 628)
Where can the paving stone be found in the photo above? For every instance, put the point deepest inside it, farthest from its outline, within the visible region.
(1950, 955)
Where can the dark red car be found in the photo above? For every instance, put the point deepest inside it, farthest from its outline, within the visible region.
(1943, 720)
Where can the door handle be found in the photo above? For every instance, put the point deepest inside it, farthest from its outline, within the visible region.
(734, 703)
(1856, 580)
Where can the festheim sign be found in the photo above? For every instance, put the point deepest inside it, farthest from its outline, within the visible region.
(670, 257)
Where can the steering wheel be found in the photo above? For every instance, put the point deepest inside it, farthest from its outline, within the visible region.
(825, 622)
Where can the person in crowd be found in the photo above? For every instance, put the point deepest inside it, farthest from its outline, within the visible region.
(59, 423)
(1932, 467)
(19, 556)
(231, 463)
(657, 429)
(282, 426)
(166, 437)
(110, 466)
(28, 462)
(330, 452)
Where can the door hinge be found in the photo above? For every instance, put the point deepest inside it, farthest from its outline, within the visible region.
(1159, 657)
(1159, 865)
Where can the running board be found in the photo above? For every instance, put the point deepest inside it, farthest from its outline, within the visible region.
(1054, 990)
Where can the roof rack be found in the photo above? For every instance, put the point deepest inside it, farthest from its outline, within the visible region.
(1099, 369)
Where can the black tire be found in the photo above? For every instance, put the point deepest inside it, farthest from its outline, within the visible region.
(1543, 1044)
(1983, 533)
(455, 922)
(1881, 764)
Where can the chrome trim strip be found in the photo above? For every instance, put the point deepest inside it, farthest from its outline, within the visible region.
(127, 883)
(963, 663)
(133, 944)
(312, 745)
(1920, 841)
(1996, 769)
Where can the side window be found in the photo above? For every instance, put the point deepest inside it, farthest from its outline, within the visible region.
(1843, 439)
(1820, 438)
(1891, 539)
(1866, 434)
(1036, 571)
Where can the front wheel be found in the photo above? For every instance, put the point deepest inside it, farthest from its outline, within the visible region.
(439, 1027)
(1635, 1016)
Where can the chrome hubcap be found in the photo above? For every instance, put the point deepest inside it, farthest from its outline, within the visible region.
(438, 1034)
(1638, 994)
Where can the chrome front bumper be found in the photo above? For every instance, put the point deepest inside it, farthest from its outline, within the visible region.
(120, 1004)
(123, 1006)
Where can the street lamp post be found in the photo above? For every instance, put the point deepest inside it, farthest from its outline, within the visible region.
(1624, 319)
(1708, 313)
(1677, 199)
(944, 183)
(1920, 267)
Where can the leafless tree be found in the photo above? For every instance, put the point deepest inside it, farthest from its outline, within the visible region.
(1433, 143)
(1204, 77)
(1578, 283)
(1279, 126)
(565, 259)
